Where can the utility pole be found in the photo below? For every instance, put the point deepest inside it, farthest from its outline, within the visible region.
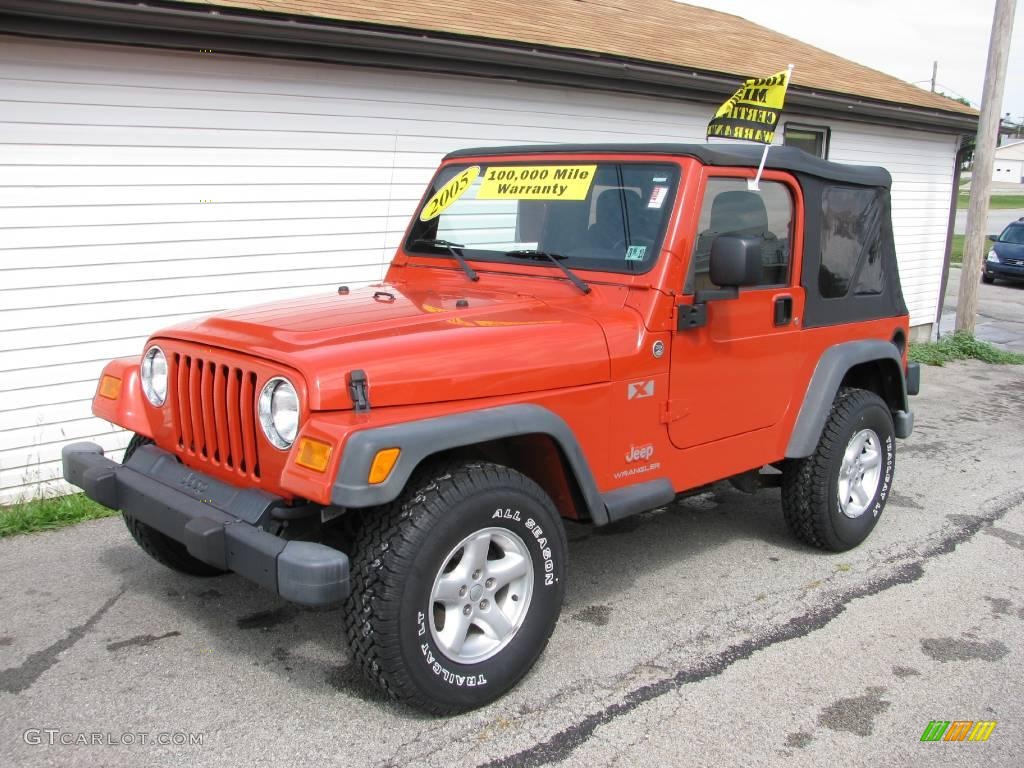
(984, 160)
(935, 72)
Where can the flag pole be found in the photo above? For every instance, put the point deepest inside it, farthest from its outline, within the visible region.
(752, 183)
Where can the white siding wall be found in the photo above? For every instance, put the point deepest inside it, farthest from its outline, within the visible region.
(140, 187)
(921, 165)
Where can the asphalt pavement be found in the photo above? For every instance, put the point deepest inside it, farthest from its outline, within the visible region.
(1000, 317)
(700, 634)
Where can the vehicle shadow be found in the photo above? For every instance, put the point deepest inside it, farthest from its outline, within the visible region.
(306, 648)
(605, 562)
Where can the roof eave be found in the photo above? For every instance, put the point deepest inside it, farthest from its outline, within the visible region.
(192, 27)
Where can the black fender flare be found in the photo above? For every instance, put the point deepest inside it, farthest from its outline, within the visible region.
(832, 367)
(418, 440)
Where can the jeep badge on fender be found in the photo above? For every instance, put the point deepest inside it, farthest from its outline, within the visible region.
(577, 332)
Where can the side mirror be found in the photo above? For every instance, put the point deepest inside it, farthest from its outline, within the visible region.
(993, 238)
(736, 261)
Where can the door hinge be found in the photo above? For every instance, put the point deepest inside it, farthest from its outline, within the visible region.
(673, 410)
(691, 316)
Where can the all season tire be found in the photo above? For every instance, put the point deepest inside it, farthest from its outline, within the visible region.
(833, 498)
(456, 586)
(988, 279)
(161, 548)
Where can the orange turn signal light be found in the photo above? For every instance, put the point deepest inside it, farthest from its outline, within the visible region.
(313, 454)
(382, 465)
(110, 387)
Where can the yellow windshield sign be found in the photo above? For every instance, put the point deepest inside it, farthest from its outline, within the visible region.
(537, 182)
(449, 193)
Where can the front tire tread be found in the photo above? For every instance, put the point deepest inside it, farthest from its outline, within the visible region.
(385, 546)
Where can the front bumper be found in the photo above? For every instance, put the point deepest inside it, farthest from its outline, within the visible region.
(218, 523)
(1003, 270)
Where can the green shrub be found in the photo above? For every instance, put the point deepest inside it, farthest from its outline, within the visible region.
(49, 512)
(961, 346)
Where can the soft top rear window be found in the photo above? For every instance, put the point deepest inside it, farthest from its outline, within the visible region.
(604, 216)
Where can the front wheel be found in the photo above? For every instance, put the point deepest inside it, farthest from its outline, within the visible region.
(456, 586)
(833, 498)
(987, 279)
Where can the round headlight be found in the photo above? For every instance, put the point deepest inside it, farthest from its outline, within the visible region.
(279, 412)
(154, 376)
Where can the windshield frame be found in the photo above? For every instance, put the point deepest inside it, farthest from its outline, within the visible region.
(676, 178)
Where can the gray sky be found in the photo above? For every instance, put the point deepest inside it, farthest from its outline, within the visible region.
(900, 37)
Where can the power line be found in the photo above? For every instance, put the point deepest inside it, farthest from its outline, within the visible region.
(950, 92)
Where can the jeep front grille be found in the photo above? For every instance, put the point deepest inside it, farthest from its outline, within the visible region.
(216, 413)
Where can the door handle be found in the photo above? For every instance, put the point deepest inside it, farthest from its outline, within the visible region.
(783, 310)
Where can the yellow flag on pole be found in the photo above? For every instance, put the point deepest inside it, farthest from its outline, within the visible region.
(752, 112)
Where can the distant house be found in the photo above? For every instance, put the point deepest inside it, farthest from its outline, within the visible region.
(1009, 165)
(165, 159)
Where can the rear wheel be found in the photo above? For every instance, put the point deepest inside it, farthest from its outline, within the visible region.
(161, 548)
(456, 586)
(833, 498)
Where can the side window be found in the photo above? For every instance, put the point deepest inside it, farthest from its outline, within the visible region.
(729, 208)
(869, 282)
(812, 139)
(851, 253)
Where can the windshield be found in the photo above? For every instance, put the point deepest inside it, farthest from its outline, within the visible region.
(1013, 234)
(589, 215)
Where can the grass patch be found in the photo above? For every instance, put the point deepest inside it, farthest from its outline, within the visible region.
(956, 253)
(49, 513)
(961, 346)
(996, 202)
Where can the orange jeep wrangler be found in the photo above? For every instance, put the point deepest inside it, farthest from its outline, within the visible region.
(574, 331)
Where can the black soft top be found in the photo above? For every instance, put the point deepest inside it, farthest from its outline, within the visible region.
(849, 267)
(732, 155)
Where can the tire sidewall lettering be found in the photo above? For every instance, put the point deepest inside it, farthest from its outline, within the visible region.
(436, 662)
(857, 528)
(547, 585)
(545, 551)
(883, 491)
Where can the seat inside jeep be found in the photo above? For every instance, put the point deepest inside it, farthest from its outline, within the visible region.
(742, 213)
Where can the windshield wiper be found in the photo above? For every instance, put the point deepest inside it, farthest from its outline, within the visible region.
(554, 258)
(452, 248)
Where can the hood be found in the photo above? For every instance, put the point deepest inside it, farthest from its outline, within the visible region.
(416, 344)
(1008, 250)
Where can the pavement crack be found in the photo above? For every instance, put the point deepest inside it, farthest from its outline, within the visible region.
(142, 640)
(19, 678)
(562, 744)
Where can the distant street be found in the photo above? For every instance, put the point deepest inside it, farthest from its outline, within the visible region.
(997, 220)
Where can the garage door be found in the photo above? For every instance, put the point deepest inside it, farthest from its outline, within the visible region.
(1009, 171)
